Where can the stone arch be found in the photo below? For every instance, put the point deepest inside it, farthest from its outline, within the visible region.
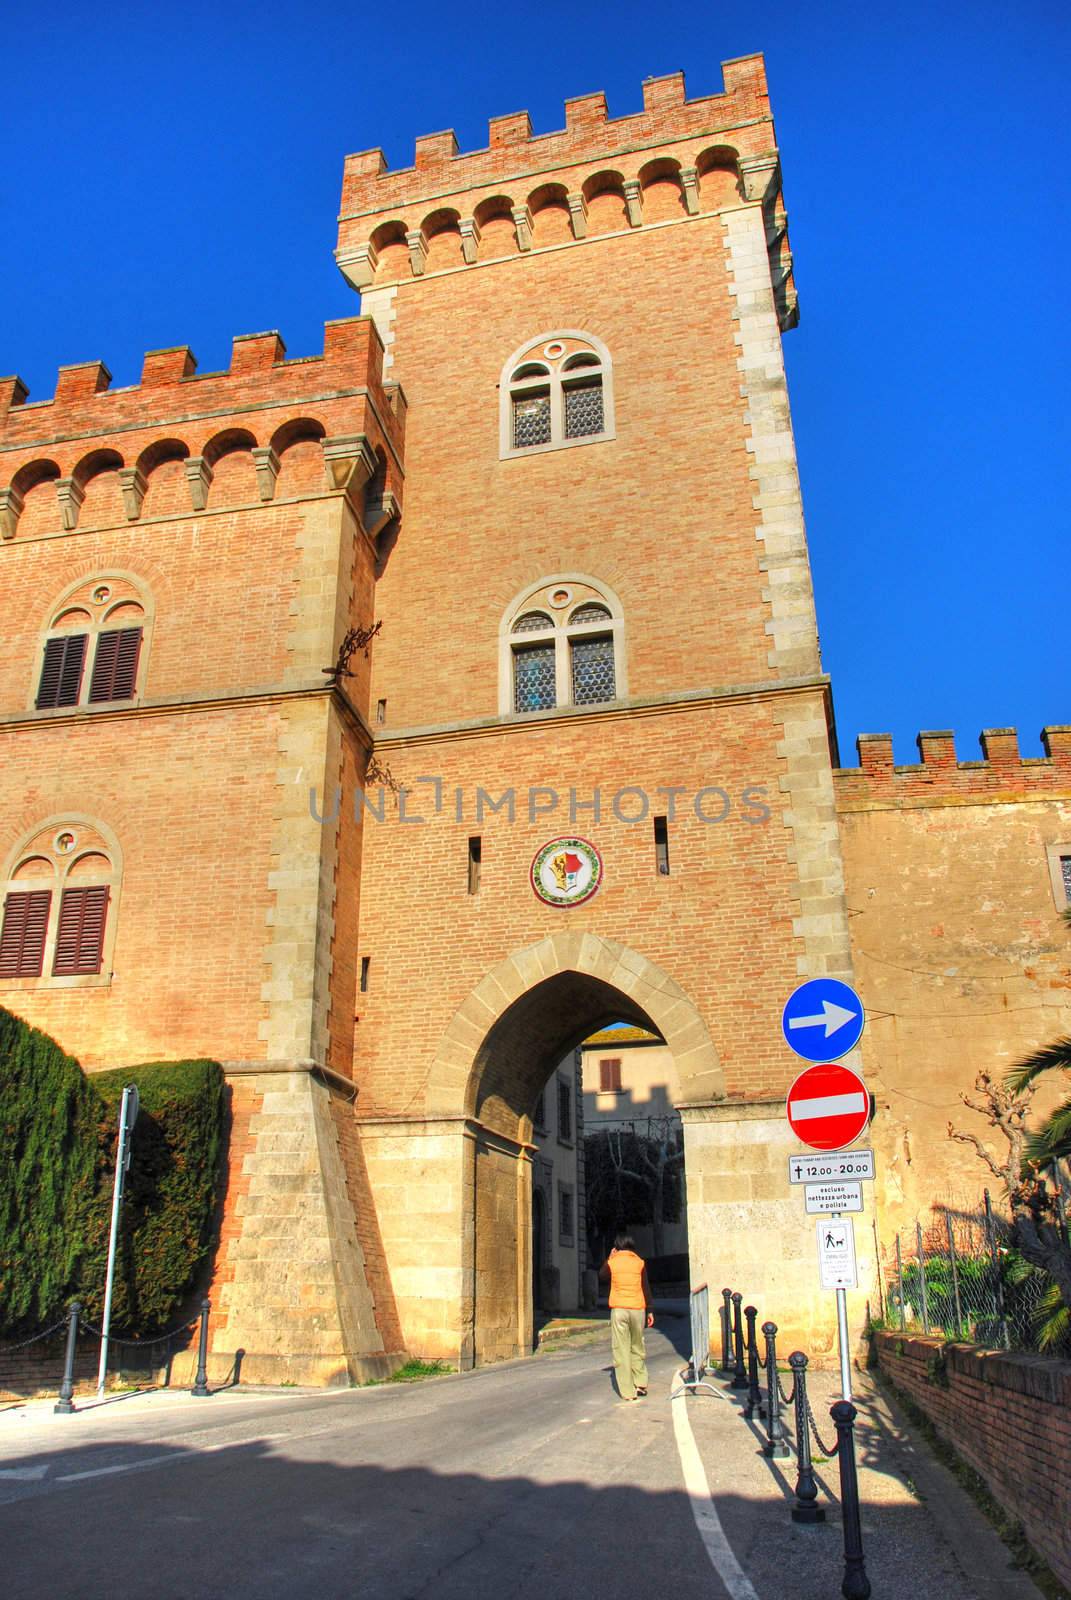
(613, 982)
(442, 232)
(719, 177)
(549, 205)
(498, 232)
(604, 195)
(391, 252)
(663, 194)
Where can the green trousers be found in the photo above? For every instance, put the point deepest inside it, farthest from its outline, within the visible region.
(630, 1359)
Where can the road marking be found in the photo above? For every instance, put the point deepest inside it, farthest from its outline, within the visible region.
(26, 1474)
(706, 1517)
(827, 1105)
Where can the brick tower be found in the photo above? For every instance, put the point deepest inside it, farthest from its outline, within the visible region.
(597, 623)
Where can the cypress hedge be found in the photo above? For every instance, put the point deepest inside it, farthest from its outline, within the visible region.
(59, 1129)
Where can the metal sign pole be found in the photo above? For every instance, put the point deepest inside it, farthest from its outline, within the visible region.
(127, 1116)
(842, 1338)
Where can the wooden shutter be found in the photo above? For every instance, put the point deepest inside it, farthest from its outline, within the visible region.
(22, 938)
(80, 937)
(610, 1076)
(115, 665)
(61, 674)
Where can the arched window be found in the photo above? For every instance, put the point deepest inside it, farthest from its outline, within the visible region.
(60, 894)
(562, 644)
(93, 650)
(556, 391)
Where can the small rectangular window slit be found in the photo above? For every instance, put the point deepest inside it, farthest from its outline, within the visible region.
(366, 962)
(381, 711)
(475, 858)
(661, 846)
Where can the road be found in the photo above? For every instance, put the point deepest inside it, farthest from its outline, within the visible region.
(525, 1480)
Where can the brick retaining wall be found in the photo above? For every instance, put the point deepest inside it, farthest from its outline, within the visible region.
(1008, 1415)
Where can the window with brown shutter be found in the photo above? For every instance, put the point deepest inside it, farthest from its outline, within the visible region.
(22, 937)
(115, 665)
(80, 938)
(61, 674)
(610, 1076)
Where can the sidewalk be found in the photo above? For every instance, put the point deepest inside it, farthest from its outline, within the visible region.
(923, 1536)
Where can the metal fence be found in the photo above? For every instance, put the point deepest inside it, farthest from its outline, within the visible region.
(960, 1275)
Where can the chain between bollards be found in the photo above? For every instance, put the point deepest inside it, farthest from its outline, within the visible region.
(805, 1509)
(775, 1446)
(754, 1407)
(856, 1585)
(200, 1382)
(726, 1330)
(64, 1405)
(739, 1369)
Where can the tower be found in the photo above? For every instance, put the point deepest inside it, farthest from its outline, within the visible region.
(597, 622)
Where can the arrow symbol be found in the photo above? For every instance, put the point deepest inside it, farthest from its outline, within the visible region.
(832, 1018)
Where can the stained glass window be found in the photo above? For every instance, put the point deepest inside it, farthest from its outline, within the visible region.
(593, 671)
(531, 420)
(583, 409)
(533, 678)
(532, 622)
(591, 611)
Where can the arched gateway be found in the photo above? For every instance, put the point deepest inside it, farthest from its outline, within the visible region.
(494, 1058)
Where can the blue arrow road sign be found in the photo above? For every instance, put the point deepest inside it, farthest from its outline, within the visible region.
(823, 1020)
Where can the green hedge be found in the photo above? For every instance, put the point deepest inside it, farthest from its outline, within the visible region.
(59, 1131)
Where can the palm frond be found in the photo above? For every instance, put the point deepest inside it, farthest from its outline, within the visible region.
(1052, 1141)
(1052, 1320)
(1055, 1057)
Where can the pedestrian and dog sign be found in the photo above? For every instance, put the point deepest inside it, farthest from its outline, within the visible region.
(836, 1253)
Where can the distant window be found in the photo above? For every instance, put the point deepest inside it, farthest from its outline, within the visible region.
(565, 1110)
(1065, 876)
(566, 1220)
(610, 1076)
(92, 648)
(475, 862)
(80, 935)
(539, 1116)
(63, 881)
(1059, 856)
(366, 962)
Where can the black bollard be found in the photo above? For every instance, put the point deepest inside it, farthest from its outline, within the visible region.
(64, 1404)
(739, 1369)
(754, 1407)
(805, 1509)
(726, 1330)
(200, 1382)
(856, 1585)
(775, 1446)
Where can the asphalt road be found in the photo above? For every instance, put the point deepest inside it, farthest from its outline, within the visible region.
(519, 1481)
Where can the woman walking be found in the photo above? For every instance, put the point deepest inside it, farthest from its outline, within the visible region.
(631, 1308)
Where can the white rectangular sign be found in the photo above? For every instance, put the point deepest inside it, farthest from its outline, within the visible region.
(836, 1254)
(821, 1198)
(835, 1166)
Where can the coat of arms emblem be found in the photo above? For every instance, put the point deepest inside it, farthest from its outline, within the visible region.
(566, 871)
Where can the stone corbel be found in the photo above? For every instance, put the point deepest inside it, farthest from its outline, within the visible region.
(199, 478)
(776, 227)
(781, 269)
(470, 238)
(133, 485)
(349, 461)
(10, 512)
(522, 221)
(578, 215)
(267, 464)
(760, 176)
(358, 266)
(418, 251)
(70, 496)
(378, 514)
(690, 190)
(634, 202)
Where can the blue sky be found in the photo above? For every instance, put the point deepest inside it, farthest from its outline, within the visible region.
(172, 177)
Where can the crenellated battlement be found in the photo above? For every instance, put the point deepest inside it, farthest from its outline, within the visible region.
(674, 160)
(939, 778)
(263, 404)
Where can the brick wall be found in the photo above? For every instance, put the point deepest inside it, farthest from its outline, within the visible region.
(1009, 1416)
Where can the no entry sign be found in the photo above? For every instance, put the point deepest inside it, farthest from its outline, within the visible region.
(828, 1106)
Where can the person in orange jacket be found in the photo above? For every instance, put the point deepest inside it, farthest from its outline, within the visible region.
(631, 1309)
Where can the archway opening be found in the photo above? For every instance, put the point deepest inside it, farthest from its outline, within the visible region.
(533, 1255)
